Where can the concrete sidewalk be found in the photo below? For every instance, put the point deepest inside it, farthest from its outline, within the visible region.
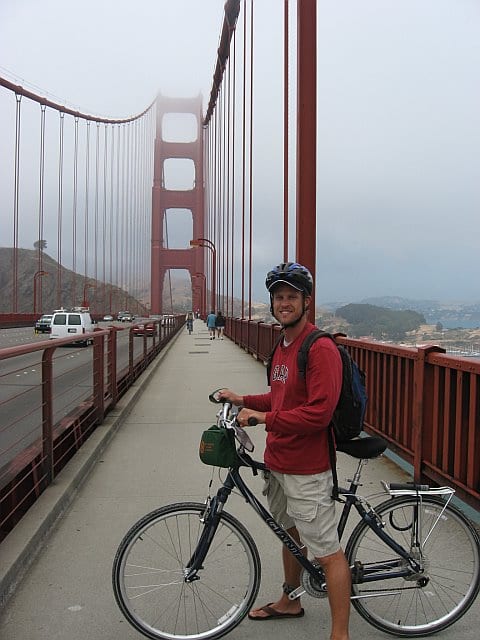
(144, 456)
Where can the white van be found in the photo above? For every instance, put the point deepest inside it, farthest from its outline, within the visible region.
(66, 324)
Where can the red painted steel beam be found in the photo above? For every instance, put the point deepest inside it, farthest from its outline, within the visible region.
(306, 235)
(163, 199)
(232, 9)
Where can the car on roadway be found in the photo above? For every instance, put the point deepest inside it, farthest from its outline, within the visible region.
(68, 323)
(125, 316)
(44, 324)
(108, 318)
(145, 329)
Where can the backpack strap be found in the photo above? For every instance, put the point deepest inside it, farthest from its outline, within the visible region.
(270, 357)
(302, 359)
(332, 452)
(302, 356)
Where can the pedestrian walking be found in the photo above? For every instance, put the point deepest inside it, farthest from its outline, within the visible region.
(220, 325)
(189, 320)
(211, 324)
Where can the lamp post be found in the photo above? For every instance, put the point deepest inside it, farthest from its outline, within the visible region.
(36, 276)
(203, 291)
(85, 287)
(208, 244)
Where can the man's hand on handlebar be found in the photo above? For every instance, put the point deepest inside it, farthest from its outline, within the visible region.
(248, 417)
(230, 396)
(245, 417)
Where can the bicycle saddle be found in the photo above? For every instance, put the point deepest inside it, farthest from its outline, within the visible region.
(363, 448)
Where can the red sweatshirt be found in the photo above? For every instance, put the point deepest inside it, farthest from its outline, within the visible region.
(300, 410)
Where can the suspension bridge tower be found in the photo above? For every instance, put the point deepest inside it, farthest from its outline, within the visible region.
(163, 199)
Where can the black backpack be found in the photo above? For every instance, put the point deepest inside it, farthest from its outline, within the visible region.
(347, 422)
(350, 412)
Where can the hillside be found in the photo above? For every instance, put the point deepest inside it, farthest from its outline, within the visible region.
(47, 298)
(177, 295)
(177, 299)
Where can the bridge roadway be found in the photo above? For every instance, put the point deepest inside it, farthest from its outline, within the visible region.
(144, 456)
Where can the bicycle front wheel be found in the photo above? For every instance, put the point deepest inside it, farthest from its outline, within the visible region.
(448, 583)
(149, 571)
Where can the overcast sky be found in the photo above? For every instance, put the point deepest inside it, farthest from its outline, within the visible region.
(398, 120)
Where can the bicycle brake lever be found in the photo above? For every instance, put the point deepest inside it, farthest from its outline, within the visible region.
(214, 396)
(243, 437)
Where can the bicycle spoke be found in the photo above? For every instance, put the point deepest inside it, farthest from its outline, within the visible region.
(150, 568)
(449, 579)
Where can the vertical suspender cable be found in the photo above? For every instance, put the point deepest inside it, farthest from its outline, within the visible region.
(134, 217)
(218, 243)
(97, 186)
(216, 206)
(137, 221)
(128, 214)
(211, 151)
(232, 253)
(16, 191)
(86, 229)
(227, 203)
(285, 133)
(122, 254)
(251, 168)
(60, 208)
(224, 191)
(221, 193)
(244, 152)
(118, 220)
(104, 217)
(74, 215)
(41, 189)
(110, 226)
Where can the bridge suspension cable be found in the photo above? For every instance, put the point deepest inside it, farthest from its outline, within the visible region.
(92, 204)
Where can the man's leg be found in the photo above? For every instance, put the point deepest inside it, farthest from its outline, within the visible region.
(338, 579)
(292, 571)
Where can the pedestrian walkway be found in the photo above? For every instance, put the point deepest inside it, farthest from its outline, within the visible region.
(144, 456)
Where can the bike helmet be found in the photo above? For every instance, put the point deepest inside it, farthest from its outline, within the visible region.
(293, 274)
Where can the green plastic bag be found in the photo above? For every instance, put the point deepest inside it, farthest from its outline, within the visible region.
(217, 447)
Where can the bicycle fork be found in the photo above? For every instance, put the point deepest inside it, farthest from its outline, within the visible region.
(210, 519)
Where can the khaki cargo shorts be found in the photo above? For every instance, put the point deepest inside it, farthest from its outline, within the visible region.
(305, 502)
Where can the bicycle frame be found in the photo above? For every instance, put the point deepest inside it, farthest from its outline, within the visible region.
(188, 570)
(405, 562)
(212, 516)
(373, 573)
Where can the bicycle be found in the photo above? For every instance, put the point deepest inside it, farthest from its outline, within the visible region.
(192, 571)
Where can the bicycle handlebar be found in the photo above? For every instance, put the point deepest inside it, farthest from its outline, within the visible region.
(231, 422)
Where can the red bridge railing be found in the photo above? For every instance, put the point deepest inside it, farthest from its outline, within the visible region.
(48, 414)
(425, 403)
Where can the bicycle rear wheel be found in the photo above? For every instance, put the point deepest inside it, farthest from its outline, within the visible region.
(148, 575)
(450, 557)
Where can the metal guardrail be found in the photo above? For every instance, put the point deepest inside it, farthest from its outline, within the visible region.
(425, 403)
(48, 414)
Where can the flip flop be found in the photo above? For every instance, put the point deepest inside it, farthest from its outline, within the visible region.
(273, 614)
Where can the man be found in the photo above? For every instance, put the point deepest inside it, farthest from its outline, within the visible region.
(220, 324)
(296, 413)
(211, 324)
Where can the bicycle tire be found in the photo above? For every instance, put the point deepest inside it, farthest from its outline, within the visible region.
(451, 578)
(148, 575)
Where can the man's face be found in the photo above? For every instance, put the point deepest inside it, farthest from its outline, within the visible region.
(288, 304)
